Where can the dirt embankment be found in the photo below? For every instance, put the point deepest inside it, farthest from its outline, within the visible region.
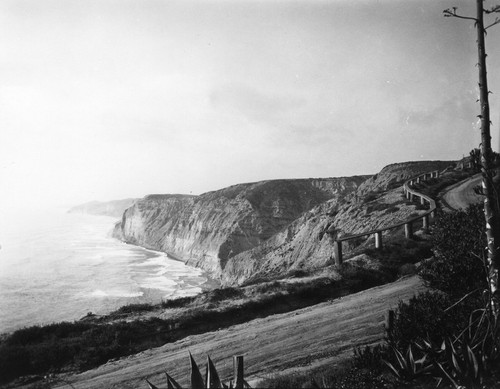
(319, 335)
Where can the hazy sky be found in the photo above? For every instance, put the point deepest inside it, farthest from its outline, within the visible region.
(110, 99)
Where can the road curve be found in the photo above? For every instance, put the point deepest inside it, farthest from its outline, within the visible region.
(319, 335)
(461, 195)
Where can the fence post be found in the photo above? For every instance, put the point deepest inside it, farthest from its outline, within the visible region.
(408, 230)
(411, 196)
(238, 371)
(378, 239)
(422, 200)
(425, 222)
(337, 252)
(433, 213)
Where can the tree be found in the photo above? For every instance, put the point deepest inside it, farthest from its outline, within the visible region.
(491, 205)
(475, 159)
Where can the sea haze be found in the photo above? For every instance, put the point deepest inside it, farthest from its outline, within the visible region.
(57, 266)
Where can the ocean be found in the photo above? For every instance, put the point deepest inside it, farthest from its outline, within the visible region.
(58, 266)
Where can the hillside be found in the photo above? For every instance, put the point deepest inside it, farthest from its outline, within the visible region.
(266, 229)
(307, 243)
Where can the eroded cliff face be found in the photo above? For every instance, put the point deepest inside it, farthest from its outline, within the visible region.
(262, 230)
(307, 243)
(208, 230)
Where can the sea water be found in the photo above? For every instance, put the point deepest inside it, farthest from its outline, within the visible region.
(58, 266)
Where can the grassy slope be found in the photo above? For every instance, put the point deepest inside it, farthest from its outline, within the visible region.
(319, 335)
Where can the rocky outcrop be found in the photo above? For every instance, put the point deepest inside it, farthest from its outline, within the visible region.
(114, 208)
(206, 231)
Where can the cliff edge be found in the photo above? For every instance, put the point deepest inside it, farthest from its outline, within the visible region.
(206, 231)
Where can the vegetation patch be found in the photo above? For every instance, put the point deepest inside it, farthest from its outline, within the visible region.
(86, 344)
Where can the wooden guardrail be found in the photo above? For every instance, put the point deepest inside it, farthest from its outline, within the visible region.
(411, 195)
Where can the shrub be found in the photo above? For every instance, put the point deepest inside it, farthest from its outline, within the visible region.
(225, 294)
(369, 358)
(356, 379)
(267, 287)
(458, 239)
(285, 382)
(425, 316)
(401, 251)
(132, 308)
(178, 302)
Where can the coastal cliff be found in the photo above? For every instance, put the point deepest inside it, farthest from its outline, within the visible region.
(114, 208)
(307, 243)
(262, 230)
(206, 231)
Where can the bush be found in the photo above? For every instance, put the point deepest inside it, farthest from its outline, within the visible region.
(222, 294)
(132, 308)
(458, 239)
(369, 358)
(401, 251)
(356, 379)
(426, 317)
(178, 302)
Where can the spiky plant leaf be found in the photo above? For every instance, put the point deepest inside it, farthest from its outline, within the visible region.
(399, 357)
(196, 377)
(213, 380)
(392, 368)
(151, 386)
(411, 361)
(447, 376)
(172, 384)
(456, 364)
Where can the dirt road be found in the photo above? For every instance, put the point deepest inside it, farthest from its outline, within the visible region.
(462, 194)
(311, 337)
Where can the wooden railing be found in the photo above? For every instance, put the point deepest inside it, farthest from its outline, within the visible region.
(411, 195)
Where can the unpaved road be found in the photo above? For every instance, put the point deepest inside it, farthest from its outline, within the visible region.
(462, 194)
(311, 337)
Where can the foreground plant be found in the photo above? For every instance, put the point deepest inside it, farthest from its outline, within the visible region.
(212, 379)
(464, 360)
(406, 367)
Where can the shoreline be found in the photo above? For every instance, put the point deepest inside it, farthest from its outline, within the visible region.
(210, 282)
(193, 284)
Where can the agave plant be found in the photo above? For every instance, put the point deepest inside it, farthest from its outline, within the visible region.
(211, 381)
(406, 367)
